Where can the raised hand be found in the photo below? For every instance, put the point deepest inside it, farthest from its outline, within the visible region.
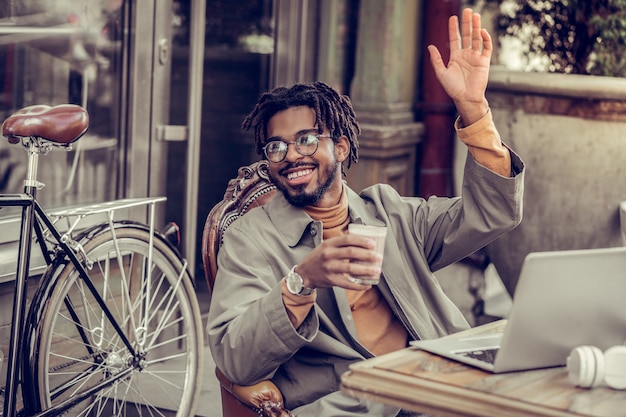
(465, 77)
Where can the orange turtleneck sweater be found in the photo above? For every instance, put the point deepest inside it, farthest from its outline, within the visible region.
(378, 329)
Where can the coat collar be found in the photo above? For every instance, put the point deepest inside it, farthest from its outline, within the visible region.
(292, 222)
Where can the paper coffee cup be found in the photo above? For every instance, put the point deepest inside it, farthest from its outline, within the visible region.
(377, 234)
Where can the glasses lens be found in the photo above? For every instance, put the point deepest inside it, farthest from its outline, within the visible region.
(276, 150)
(306, 144)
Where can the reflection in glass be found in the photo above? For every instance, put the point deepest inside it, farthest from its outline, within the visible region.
(63, 52)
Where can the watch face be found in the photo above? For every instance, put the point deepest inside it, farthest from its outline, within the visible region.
(294, 282)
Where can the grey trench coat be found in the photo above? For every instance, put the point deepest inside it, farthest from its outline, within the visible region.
(250, 335)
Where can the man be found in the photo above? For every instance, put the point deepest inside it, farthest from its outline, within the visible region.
(285, 305)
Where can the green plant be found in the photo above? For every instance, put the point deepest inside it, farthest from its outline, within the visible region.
(567, 36)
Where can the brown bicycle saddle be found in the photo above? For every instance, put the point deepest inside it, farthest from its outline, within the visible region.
(61, 124)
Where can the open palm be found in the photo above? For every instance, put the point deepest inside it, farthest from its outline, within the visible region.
(465, 77)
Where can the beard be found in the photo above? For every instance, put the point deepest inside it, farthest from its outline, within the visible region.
(302, 198)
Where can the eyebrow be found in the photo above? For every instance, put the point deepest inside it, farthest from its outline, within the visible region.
(296, 135)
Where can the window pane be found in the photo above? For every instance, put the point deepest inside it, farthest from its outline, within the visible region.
(63, 52)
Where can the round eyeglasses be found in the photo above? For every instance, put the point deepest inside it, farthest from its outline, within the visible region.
(306, 145)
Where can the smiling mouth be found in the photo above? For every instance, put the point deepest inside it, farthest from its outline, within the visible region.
(297, 174)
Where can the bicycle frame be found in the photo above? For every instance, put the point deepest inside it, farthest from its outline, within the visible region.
(34, 218)
(114, 319)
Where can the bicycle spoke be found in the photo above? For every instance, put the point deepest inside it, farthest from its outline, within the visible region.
(166, 342)
(171, 307)
(154, 305)
(89, 330)
(139, 398)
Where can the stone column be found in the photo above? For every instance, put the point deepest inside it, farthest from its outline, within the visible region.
(383, 91)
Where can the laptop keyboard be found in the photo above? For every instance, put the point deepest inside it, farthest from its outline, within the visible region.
(484, 355)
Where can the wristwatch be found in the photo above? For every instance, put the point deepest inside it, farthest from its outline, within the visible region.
(295, 285)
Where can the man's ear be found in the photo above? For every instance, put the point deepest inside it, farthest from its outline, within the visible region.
(342, 148)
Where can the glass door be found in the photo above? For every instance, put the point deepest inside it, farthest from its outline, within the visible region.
(249, 46)
(55, 55)
(111, 57)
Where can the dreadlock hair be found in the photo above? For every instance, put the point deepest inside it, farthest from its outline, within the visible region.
(332, 111)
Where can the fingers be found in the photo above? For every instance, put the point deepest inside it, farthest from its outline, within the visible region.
(471, 36)
(476, 32)
(487, 44)
(368, 266)
(344, 258)
(345, 274)
(435, 59)
(453, 34)
(339, 258)
(466, 28)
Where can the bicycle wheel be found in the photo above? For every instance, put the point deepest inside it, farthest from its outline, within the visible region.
(77, 347)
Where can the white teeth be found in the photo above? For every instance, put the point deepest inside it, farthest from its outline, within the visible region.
(298, 174)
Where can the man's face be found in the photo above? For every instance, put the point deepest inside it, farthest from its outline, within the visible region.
(306, 180)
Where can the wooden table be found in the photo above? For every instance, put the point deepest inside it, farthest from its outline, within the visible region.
(416, 380)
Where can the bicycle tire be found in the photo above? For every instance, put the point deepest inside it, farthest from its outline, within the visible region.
(158, 312)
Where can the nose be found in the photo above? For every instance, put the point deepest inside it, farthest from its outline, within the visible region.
(292, 153)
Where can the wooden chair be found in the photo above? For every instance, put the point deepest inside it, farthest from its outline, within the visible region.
(251, 188)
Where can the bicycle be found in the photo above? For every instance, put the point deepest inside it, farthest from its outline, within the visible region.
(114, 325)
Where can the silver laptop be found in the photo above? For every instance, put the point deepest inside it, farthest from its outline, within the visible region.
(563, 299)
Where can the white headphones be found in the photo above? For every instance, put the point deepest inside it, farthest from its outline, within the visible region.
(588, 367)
